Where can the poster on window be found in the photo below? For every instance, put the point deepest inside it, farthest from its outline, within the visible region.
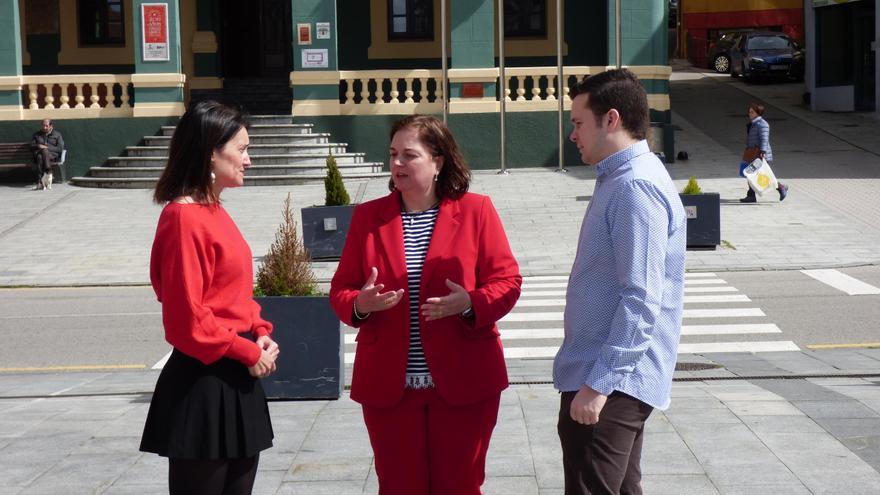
(155, 31)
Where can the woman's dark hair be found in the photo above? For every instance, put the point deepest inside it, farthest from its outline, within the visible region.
(207, 126)
(455, 176)
(617, 89)
(757, 107)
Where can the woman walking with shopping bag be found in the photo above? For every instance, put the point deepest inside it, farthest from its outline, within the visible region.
(758, 146)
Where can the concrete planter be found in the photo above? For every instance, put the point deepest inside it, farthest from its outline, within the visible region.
(703, 220)
(309, 334)
(324, 230)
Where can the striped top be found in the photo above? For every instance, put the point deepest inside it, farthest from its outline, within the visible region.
(417, 230)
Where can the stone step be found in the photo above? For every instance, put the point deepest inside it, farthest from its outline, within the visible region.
(346, 170)
(290, 138)
(268, 180)
(275, 120)
(277, 128)
(321, 149)
(284, 122)
(289, 159)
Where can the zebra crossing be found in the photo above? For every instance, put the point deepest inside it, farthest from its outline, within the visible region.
(716, 318)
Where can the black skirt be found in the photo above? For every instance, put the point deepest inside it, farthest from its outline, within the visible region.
(207, 412)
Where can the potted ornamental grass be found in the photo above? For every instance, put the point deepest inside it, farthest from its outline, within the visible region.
(306, 329)
(325, 227)
(703, 212)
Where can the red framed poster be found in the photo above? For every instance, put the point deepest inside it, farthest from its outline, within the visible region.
(155, 31)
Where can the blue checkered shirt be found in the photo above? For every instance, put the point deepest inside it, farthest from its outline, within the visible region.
(625, 292)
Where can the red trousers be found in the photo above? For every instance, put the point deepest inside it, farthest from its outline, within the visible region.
(423, 445)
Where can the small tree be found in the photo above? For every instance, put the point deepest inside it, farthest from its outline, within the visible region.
(692, 187)
(286, 268)
(335, 189)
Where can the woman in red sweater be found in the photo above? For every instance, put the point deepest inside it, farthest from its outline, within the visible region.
(208, 414)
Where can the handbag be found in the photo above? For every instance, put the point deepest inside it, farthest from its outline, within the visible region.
(760, 176)
(750, 154)
(742, 166)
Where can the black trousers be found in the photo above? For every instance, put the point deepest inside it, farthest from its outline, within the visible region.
(603, 459)
(215, 477)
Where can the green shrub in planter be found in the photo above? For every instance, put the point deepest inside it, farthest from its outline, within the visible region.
(692, 187)
(287, 267)
(307, 330)
(336, 195)
(703, 212)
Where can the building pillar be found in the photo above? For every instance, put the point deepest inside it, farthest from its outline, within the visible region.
(158, 83)
(643, 33)
(10, 62)
(315, 76)
(472, 71)
(644, 49)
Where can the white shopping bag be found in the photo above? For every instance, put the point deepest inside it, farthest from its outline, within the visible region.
(760, 176)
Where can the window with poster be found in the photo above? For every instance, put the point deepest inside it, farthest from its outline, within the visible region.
(101, 22)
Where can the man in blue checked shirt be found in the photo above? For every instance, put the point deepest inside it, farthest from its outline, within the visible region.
(624, 298)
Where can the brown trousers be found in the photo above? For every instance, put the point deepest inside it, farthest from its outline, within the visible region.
(42, 162)
(603, 459)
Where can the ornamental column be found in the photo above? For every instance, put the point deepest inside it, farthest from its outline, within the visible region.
(157, 80)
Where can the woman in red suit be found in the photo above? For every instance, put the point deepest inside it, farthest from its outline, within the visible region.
(425, 274)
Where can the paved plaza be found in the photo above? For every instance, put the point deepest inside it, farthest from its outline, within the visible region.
(772, 422)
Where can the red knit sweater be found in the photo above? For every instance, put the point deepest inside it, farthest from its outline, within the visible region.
(201, 271)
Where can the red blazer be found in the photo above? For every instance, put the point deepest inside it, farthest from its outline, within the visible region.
(469, 247)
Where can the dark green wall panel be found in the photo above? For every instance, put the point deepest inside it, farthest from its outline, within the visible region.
(89, 141)
(10, 97)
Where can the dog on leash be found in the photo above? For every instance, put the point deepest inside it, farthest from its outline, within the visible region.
(46, 181)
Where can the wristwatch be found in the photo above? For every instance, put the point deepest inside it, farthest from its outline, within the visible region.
(468, 313)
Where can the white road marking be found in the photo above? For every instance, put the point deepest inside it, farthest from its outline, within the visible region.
(704, 281)
(842, 282)
(543, 285)
(722, 313)
(550, 352)
(556, 316)
(161, 363)
(706, 290)
(708, 347)
(717, 299)
(729, 329)
(532, 303)
(541, 292)
(558, 333)
(548, 278)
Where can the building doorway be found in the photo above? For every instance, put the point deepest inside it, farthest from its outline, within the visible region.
(256, 38)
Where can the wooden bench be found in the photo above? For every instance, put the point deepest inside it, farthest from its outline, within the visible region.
(19, 155)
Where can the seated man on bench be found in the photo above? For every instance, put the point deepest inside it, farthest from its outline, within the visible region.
(47, 145)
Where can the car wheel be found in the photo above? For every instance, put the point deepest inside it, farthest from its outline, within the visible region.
(721, 64)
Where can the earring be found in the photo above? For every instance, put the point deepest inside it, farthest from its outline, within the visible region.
(435, 177)
(213, 177)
